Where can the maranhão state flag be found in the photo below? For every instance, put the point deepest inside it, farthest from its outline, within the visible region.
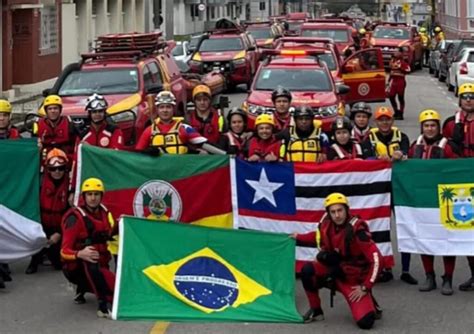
(289, 197)
(185, 188)
(434, 206)
(21, 234)
(180, 272)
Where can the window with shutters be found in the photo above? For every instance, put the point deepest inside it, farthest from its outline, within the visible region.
(49, 30)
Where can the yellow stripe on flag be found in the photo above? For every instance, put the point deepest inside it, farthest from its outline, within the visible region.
(225, 220)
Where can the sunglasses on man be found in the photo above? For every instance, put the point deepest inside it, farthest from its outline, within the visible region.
(57, 169)
(467, 96)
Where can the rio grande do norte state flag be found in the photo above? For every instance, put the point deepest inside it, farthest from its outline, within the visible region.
(21, 235)
(180, 272)
(434, 206)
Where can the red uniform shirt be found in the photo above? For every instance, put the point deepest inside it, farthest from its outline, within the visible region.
(187, 134)
(53, 201)
(76, 233)
(362, 262)
(262, 148)
(106, 136)
(11, 133)
(61, 135)
(440, 148)
(461, 131)
(398, 69)
(209, 127)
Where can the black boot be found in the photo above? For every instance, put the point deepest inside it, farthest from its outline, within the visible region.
(430, 283)
(33, 266)
(447, 287)
(5, 272)
(407, 278)
(468, 285)
(313, 314)
(2, 283)
(398, 116)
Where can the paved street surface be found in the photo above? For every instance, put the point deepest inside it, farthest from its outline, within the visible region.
(42, 303)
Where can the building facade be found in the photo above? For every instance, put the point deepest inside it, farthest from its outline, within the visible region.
(456, 17)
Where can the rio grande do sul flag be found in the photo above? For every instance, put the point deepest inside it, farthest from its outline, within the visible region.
(434, 206)
(186, 188)
(21, 235)
(289, 197)
(179, 272)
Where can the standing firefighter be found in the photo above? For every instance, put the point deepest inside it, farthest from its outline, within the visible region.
(7, 131)
(86, 230)
(397, 83)
(348, 261)
(460, 128)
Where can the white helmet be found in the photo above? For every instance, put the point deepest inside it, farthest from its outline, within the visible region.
(96, 102)
(165, 97)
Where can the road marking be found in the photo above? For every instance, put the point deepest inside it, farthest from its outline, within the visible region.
(159, 327)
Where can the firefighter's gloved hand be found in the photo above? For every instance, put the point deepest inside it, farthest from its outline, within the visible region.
(329, 258)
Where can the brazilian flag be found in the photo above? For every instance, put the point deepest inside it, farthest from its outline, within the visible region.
(181, 272)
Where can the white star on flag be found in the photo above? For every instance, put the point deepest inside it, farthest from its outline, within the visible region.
(264, 189)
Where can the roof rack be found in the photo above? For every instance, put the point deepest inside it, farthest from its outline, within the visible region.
(329, 20)
(248, 23)
(143, 42)
(116, 55)
(298, 39)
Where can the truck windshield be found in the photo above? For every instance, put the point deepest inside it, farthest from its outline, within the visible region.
(293, 79)
(391, 33)
(221, 44)
(260, 33)
(110, 81)
(338, 35)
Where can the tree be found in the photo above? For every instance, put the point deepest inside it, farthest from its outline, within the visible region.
(447, 195)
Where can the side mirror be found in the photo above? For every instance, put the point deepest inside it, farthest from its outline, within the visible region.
(343, 89)
(154, 89)
(46, 92)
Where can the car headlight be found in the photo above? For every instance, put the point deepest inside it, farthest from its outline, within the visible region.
(253, 109)
(125, 116)
(405, 48)
(194, 63)
(328, 110)
(239, 61)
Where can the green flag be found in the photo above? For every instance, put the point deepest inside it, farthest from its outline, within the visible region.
(181, 272)
(434, 206)
(20, 233)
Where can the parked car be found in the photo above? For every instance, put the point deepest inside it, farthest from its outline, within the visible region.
(436, 56)
(461, 70)
(341, 33)
(194, 42)
(451, 52)
(181, 52)
(265, 33)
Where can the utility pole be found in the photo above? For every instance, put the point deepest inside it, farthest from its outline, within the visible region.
(168, 16)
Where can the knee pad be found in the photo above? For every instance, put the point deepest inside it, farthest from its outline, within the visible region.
(367, 322)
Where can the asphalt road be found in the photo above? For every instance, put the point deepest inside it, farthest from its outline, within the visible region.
(42, 303)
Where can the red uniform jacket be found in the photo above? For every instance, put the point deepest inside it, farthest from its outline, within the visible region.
(282, 123)
(12, 133)
(347, 152)
(62, 135)
(53, 202)
(398, 69)
(76, 233)
(264, 147)
(440, 148)
(107, 136)
(362, 263)
(233, 144)
(208, 128)
(461, 132)
(360, 135)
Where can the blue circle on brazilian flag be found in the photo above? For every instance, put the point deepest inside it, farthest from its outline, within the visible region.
(206, 282)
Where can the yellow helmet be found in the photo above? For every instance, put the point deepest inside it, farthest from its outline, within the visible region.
(335, 198)
(92, 184)
(429, 115)
(5, 106)
(362, 31)
(466, 88)
(52, 100)
(437, 29)
(201, 89)
(265, 119)
(422, 29)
